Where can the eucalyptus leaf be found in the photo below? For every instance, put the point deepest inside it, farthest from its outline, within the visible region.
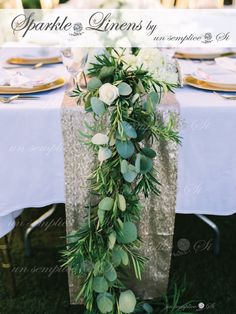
(148, 308)
(153, 96)
(98, 106)
(100, 284)
(140, 134)
(101, 215)
(100, 139)
(106, 204)
(112, 240)
(148, 106)
(124, 89)
(146, 164)
(110, 272)
(129, 129)
(139, 88)
(130, 176)
(112, 141)
(96, 268)
(137, 162)
(116, 256)
(124, 166)
(125, 148)
(128, 233)
(124, 257)
(127, 302)
(106, 72)
(121, 137)
(135, 98)
(121, 202)
(93, 84)
(104, 153)
(105, 303)
(148, 152)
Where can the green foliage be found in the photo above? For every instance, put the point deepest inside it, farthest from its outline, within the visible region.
(108, 243)
(94, 84)
(127, 301)
(105, 302)
(125, 148)
(98, 106)
(124, 89)
(100, 284)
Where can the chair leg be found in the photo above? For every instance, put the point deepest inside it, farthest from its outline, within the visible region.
(216, 243)
(6, 264)
(33, 225)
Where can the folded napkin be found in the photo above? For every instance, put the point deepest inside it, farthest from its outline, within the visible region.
(226, 63)
(216, 74)
(21, 79)
(4, 78)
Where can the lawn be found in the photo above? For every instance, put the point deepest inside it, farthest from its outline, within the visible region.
(42, 286)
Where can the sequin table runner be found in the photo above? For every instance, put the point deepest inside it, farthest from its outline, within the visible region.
(158, 214)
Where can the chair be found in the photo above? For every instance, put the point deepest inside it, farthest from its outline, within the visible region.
(6, 264)
(5, 254)
(212, 225)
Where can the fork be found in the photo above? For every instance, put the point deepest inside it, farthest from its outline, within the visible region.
(7, 100)
(36, 66)
(226, 96)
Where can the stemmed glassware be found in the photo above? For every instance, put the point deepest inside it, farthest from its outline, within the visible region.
(75, 61)
(49, 4)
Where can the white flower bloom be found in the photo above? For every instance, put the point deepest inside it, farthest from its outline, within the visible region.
(108, 93)
(150, 58)
(130, 61)
(117, 53)
(159, 65)
(167, 76)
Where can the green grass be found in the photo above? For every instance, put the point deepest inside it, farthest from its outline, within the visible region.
(210, 279)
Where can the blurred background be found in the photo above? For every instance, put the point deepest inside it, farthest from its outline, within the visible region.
(49, 4)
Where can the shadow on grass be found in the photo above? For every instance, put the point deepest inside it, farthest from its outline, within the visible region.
(42, 287)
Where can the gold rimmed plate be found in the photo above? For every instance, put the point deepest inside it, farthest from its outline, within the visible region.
(202, 56)
(59, 82)
(33, 61)
(192, 81)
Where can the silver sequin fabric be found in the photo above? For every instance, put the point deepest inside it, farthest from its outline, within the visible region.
(156, 228)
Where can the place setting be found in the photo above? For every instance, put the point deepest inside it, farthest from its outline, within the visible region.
(28, 74)
(216, 73)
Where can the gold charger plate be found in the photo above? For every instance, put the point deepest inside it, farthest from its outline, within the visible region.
(191, 81)
(33, 61)
(35, 89)
(203, 56)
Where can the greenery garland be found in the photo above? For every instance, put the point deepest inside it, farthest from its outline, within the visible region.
(107, 246)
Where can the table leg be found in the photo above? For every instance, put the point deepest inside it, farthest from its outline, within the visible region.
(6, 265)
(210, 223)
(33, 225)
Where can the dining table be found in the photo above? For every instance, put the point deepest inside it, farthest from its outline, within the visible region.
(32, 148)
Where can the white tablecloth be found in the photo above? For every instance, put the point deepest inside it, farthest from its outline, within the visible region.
(32, 163)
(207, 157)
(31, 151)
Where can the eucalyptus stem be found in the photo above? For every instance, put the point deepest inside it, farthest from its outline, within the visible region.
(108, 242)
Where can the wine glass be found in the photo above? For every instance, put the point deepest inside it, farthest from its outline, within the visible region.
(49, 4)
(75, 61)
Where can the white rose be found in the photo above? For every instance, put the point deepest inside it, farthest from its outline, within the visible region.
(108, 93)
